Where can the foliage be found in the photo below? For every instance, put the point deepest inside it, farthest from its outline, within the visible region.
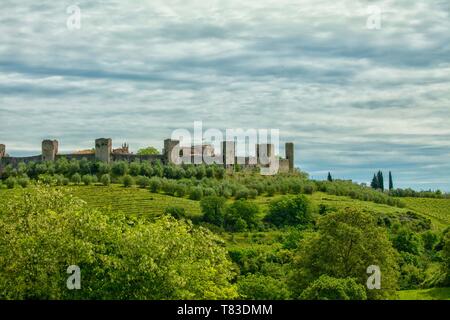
(346, 243)
(329, 288)
(261, 287)
(147, 151)
(290, 211)
(213, 209)
(45, 231)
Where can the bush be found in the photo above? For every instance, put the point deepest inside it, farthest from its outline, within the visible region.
(87, 179)
(242, 193)
(241, 215)
(10, 183)
(290, 211)
(23, 181)
(143, 181)
(329, 288)
(196, 193)
(105, 179)
(119, 168)
(176, 212)
(155, 184)
(213, 208)
(128, 181)
(261, 287)
(76, 178)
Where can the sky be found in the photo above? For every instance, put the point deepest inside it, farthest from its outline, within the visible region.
(358, 86)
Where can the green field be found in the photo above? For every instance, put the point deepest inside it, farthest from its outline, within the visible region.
(438, 210)
(426, 294)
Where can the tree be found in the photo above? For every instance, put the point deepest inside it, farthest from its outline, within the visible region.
(241, 215)
(345, 245)
(391, 183)
(290, 211)
(261, 287)
(380, 180)
(213, 209)
(375, 184)
(329, 178)
(120, 257)
(329, 288)
(147, 151)
(105, 179)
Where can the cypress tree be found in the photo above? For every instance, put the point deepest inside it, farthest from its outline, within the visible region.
(374, 183)
(391, 183)
(380, 180)
(329, 178)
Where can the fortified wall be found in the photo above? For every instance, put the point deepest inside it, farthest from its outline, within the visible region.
(172, 153)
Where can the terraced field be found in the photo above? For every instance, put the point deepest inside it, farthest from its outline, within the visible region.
(438, 210)
(131, 200)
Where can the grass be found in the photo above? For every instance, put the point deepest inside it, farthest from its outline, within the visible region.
(133, 200)
(425, 294)
(438, 210)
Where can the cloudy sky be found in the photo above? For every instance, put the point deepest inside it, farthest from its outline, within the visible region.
(354, 98)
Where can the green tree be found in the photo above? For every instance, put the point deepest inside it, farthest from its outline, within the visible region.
(261, 287)
(380, 180)
(329, 288)
(241, 215)
(147, 151)
(391, 183)
(345, 245)
(375, 184)
(128, 181)
(213, 209)
(290, 211)
(329, 178)
(76, 178)
(105, 179)
(120, 257)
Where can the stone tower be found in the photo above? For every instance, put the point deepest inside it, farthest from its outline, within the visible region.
(228, 152)
(172, 151)
(2, 151)
(103, 149)
(289, 150)
(265, 153)
(49, 150)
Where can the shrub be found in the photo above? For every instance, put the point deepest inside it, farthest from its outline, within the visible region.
(241, 215)
(76, 178)
(196, 193)
(105, 179)
(155, 184)
(143, 181)
(10, 182)
(23, 181)
(119, 168)
(329, 288)
(242, 193)
(213, 209)
(261, 287)
(176, 212)
(128, 181)
(87, 179)
(65, 181)
(290, 211)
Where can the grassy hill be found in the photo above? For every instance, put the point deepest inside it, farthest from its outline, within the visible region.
(426, 294)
